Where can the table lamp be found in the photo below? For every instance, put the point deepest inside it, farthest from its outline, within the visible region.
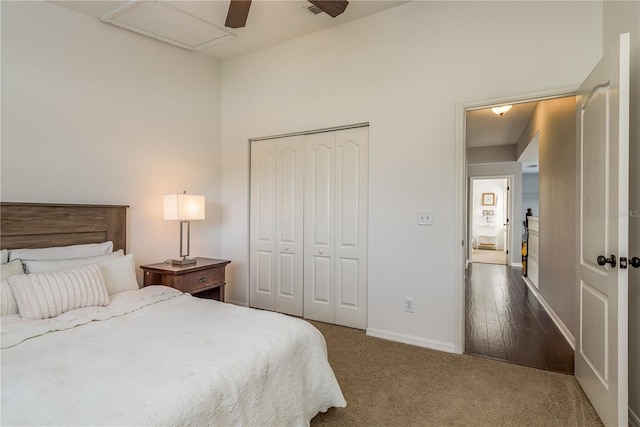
(184, 208)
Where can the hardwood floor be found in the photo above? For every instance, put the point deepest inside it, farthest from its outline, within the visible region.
(505, 321)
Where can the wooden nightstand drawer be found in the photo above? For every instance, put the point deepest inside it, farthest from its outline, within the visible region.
(200, 280)
(204, 279)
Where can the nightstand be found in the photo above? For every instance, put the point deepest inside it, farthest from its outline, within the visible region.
(203, 279)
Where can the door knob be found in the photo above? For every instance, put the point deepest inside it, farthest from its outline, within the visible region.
(603, 261)
(635, 262)
(286, 249)
(320, 252)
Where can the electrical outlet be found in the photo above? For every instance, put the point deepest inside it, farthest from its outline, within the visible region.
(425, 217)
(408, 305)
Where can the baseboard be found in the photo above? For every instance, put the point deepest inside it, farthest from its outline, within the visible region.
(243, 304)
(634, 421)
(410, 339)
(556, 319)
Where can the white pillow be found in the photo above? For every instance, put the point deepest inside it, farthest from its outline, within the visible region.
(41, 266)
(11, 269)
(4, 256)
(62, 252)
(45, 295)
(119, 275)
(8, 303)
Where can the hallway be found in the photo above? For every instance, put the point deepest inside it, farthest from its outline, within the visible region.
(505, 321)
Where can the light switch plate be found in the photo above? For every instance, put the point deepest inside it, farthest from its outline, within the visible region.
(425, 217)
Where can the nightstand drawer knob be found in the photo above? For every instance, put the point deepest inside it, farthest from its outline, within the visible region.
(202, 280)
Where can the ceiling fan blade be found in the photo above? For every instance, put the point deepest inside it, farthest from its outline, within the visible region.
(238, 13)
(332, 8)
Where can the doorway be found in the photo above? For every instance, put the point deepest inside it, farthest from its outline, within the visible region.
(490, 211)
(493, 291)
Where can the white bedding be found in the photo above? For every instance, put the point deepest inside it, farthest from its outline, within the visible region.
(160, 357)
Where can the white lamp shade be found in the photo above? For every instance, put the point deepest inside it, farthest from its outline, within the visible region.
(183, 207)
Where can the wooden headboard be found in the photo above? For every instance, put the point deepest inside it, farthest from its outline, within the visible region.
(43, 225)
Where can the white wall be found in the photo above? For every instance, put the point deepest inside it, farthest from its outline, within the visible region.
(553, 124)
(530, 194)
(492, 154)
(95, 114)
(621, 17)
(403, 71)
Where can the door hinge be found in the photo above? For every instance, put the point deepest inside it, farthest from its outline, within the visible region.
(623, 263)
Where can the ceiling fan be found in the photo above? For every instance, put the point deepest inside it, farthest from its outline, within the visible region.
(239, 10)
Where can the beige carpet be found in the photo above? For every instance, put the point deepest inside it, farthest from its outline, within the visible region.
(392, 384)
(488, 256)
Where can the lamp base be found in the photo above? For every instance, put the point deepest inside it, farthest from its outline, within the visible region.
(184, 261)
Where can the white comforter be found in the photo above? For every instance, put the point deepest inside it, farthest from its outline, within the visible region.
(159, 357)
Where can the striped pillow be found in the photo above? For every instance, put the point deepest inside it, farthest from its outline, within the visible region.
(119, 275)
(8, 303)
(45, 295)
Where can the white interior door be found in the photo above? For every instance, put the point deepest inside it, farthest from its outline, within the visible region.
(262, 285)
(289, 225)
(601, 364)
(351, 204)
(335, 239)
(319, 266)
(276, 237)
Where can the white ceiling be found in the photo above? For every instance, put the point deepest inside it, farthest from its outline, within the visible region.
(270, 21)
(485, 128)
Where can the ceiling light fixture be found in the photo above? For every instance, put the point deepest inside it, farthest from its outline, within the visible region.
(501, 110)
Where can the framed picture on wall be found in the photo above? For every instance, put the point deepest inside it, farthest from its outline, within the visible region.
(488, 199)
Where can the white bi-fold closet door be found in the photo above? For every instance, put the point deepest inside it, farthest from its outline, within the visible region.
(308, 248)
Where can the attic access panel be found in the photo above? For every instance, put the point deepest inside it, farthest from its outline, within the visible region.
(165, 22)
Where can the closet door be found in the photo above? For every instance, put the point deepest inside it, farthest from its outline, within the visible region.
(336, 203)
(276, 248)
(319, 227)
(262, 240)
(289, 225)
(351, 207)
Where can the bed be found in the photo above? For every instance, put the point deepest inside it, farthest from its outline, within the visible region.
(151, 356)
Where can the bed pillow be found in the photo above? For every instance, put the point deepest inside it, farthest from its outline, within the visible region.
(45, 295)
(119, 275)
(8, 303)
(4, 256)
(41, 266)
(62, 252)
(11, 269)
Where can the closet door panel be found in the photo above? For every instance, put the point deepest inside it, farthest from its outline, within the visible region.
(351, 205)
(264, 276)
(286, 277)
(348, 271)
(263, 230)
(319, 231)
(289, 225)
(321, 186)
